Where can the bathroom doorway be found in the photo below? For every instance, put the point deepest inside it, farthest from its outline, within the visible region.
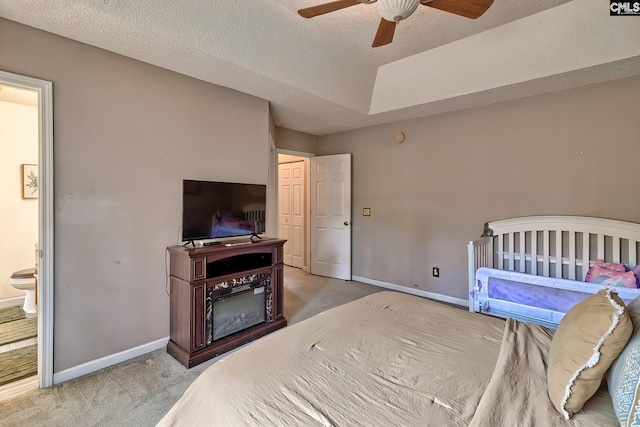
(26, 197)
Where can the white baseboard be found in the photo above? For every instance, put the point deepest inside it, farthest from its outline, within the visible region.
(18, 387)
(105, 362)
(408, 290)
(10, 302)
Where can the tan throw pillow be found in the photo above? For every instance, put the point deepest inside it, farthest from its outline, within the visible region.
(589, 338)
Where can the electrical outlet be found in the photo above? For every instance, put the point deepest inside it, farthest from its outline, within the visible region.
(366, 211)
(436, 271)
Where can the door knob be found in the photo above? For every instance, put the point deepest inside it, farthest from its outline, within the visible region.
(346, 223)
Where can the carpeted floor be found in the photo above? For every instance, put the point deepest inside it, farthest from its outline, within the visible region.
(140, 391)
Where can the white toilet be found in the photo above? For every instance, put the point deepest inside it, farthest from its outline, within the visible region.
(25, 280)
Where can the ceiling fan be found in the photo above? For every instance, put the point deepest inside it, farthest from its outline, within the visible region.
(394, 11)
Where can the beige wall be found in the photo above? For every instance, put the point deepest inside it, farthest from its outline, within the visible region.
(19, 223)
(125, 135)
(296, 141)
(574, 152)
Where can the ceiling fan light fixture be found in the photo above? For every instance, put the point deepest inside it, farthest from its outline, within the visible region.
(397, 10)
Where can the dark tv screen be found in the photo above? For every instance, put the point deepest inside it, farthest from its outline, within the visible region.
(222, 209)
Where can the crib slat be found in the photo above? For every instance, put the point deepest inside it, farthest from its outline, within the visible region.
(572, 255)
(534, 252)
(616, 249)
(600, 246)
(585, 254)
(490, 253)
(633, 256)
(545, 254)
(523, 261)
(476, 255)
(484, 256)
(558, 253)
(501, 251)
(511, 253)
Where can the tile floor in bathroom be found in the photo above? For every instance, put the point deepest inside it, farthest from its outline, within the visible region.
(18, 345)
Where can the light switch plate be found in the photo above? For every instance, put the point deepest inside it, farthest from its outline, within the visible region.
(366, 211)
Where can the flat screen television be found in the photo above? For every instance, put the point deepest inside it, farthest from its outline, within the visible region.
(213, 210)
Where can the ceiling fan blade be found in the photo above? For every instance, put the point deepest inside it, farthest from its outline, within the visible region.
(467, 8)
(321, 9)
(384, 36)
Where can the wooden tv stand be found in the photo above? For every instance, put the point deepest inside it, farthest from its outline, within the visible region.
(198, 274)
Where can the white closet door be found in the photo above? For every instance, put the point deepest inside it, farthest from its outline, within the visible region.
(284, 209)
(297, 247)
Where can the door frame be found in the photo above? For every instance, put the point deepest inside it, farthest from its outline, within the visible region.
(273, 183)
(45, 219)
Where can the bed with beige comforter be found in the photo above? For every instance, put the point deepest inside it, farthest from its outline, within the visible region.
(387, 359)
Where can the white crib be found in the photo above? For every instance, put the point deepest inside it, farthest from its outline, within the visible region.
(561, 248)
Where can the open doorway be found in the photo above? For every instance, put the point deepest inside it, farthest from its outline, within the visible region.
(293, 207)
(327, 212)
(26, 278)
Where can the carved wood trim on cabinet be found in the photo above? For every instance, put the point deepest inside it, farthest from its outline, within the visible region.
(198, 266)
(198, 327)
(278, 276)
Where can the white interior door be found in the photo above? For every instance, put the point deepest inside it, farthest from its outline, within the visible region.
(284, 209)
(331, 216)
(291, 190)
(297, 214)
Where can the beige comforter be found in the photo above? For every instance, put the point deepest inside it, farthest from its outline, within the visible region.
(388, 359)
(517, 393)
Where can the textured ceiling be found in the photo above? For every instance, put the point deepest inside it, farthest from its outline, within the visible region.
(318, 74)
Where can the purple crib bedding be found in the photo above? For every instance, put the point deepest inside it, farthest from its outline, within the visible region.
(525, 296)
(535, 296)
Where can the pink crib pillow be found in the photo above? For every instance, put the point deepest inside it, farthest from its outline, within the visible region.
(611, 266)
(603, 276)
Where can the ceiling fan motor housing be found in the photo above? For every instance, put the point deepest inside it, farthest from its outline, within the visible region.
(397, 10)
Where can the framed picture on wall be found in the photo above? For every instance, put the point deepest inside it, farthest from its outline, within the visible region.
(29, 181)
